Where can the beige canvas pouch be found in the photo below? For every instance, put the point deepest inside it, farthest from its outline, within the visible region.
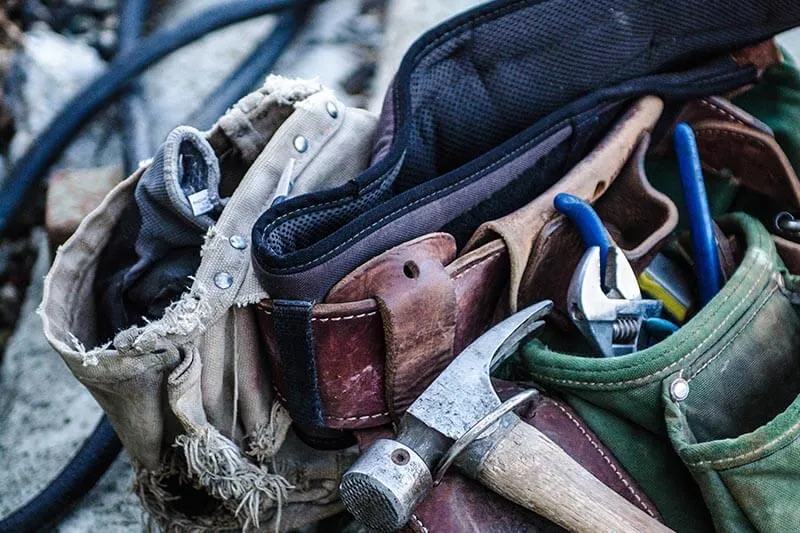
(189, 394)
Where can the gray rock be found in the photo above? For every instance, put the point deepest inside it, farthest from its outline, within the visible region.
(45, 415)
(47, 71)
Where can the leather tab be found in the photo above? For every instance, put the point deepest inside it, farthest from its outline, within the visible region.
(417, 302)
(762, 56)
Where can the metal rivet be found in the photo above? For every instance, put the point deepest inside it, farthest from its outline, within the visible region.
(679, 390)
(332, 110)
(223, 280)
(300, 144)
(238, 242)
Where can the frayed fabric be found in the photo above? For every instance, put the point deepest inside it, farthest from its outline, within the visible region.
(216, 464)
(268, 438)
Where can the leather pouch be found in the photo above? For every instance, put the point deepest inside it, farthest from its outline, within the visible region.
(545, 247)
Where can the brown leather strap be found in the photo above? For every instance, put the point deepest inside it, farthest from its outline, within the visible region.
(352, 340)
(417, 302)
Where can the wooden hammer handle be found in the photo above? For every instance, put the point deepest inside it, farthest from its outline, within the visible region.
(529, 469)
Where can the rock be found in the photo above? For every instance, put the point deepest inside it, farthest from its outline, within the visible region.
(73, 194)
(46, 73)
(45, 415)
(406, 20)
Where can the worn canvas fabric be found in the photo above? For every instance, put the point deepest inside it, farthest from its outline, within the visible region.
(737, 428)
(188, 392)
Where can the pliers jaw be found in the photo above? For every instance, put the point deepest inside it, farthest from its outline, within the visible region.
(609, 315)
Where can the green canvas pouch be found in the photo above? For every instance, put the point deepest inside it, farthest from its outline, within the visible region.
(723, 391)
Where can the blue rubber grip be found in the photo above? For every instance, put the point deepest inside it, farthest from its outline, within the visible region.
(589, 225)
(704, 244)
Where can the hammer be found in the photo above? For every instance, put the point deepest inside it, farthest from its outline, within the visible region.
(460, 420)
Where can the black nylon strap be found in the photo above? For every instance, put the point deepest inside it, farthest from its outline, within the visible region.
(295, 339)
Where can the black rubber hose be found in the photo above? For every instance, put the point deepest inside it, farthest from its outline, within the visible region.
(136, 139)
(123, 69)
(77, 478)
(252, 70)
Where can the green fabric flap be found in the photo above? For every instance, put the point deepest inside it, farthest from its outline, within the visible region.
(652, 462)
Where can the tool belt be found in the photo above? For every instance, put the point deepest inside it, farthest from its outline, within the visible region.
(352, 294)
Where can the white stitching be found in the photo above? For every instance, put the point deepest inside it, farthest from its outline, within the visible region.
(419, 524)
(746, 455)
(479, 263)
(353, 418)
(606, 459)
(332, 318)
(723, 111)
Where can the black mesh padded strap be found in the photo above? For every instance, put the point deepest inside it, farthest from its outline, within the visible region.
(482, 85)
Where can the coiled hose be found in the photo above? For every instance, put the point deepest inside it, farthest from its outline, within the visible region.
(103, 446)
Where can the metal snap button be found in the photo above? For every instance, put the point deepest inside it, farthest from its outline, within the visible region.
(679, 390)
(238, 242)
(332, 110)
(300, 144)
(223, 280)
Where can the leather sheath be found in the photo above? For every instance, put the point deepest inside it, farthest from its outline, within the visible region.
(471, 507)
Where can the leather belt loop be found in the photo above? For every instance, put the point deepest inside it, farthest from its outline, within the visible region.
(418, 308)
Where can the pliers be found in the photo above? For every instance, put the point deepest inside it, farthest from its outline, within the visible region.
(604, 300)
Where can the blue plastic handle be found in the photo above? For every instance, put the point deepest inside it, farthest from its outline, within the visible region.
(592, 230)
(704, 243)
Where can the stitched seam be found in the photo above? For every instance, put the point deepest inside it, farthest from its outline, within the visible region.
(751, 453)
(333, 318)
(648, 376)
(642, 504)
(479, 263)
(353, 418)
(419, 524)
(342, 419)
(723, 111)
(736, 336)
(725, 133)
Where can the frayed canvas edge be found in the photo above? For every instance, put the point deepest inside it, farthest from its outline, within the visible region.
(268, 438)
(216, 464)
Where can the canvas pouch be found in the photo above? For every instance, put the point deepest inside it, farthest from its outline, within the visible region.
(189, 393)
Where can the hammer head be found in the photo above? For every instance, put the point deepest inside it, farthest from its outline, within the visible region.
(384, 485)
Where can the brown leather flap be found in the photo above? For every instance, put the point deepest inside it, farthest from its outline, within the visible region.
(366, 332)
